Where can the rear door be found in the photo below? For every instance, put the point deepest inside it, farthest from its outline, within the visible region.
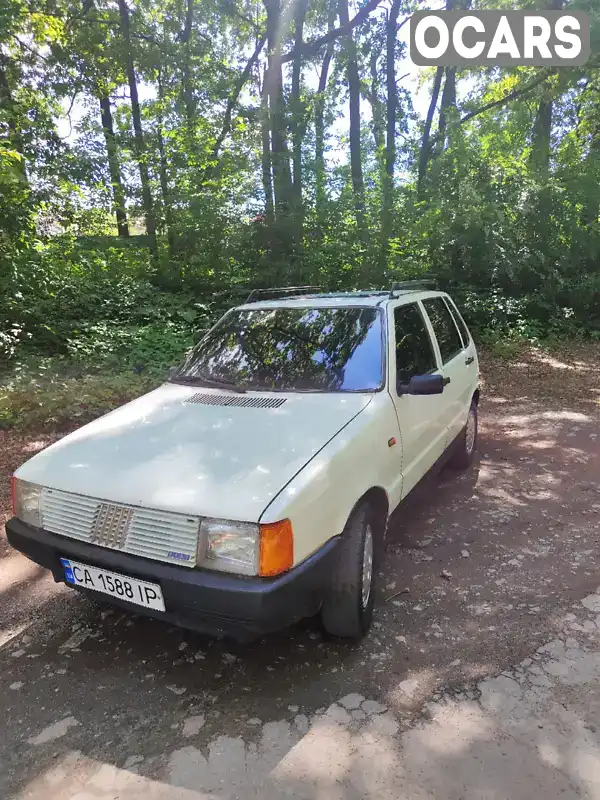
(453, 365)
(422, 419)
(470, 350)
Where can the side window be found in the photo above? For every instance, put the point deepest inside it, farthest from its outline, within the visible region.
(464, 331)
(444, 328)
(414, 350)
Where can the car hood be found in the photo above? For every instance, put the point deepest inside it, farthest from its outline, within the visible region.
(163, 451)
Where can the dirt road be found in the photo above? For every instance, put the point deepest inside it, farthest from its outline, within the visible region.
(449, 696)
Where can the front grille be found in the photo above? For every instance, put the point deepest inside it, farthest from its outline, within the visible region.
(161, 535)
(236, 400)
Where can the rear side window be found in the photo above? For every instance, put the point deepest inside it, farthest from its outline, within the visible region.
(444, 328)
(464, 331)
(414, 351)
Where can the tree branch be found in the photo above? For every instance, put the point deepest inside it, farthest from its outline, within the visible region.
(233, 98)
(544, 75)
(232, 11)
(506, 99)
(314, 45)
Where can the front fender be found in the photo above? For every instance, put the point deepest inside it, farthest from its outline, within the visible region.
(320, 498)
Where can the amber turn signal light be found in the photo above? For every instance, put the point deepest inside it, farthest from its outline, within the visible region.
(276, 553)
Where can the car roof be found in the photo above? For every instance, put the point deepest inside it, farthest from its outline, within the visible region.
(342, 299)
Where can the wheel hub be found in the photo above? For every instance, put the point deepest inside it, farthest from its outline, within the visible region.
(367, 566)
(470, 437)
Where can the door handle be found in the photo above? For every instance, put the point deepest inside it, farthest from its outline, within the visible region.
(469, 360)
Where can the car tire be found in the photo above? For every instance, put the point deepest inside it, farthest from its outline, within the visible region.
(347, 610)
(466, 442)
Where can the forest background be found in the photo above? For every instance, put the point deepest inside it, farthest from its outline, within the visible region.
(160, 160)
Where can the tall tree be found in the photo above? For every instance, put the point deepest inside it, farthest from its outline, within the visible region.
(88, 45)
(163, 165)
(297, 113)
(185, 37)
(540, 138)
(377, 106)
(387, 189)
(425, 149)
(448, 103)
(265, 138)
(140, 145)
(542, 126)
(319, 111)
(114, 166)
(353, 78)
(280, 155)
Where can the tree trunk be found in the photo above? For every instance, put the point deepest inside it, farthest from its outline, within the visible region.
(297, 110)
(164, 186)
(280, 156)
(387, 193)
(114, 167)
(112, 148)
(540, 140)
(542, 126)
(233, 98)
(265, 130)
(320, 174)
(164, 170)
(185, 38)
(377, 110)
(591, 205)
(140, 147)
(448, 102)
(425, 151)
(353, 77)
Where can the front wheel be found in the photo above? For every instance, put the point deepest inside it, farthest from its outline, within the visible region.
(348, 607)
(466, 442)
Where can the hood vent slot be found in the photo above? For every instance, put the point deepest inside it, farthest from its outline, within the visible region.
(240, 401)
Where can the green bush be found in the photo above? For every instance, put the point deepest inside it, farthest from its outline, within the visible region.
(56, 293)
(148, 348)
(67, 403)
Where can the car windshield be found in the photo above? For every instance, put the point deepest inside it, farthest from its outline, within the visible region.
(291, 349)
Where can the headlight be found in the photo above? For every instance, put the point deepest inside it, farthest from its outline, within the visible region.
(26, 502)
(228, 546)
(246, 548)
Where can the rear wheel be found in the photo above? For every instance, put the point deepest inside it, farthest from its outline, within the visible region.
(348, 607)
(466, 442)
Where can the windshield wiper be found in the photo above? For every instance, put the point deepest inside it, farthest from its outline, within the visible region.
(199, 379)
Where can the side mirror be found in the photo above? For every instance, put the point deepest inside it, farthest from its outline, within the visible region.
(424, 384)
(172, 372)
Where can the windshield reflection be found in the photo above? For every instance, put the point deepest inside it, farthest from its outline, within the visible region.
(292, 349)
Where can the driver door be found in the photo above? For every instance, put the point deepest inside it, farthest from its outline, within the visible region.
(421, 418)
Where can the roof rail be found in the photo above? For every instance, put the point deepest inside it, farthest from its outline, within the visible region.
(281, 291)
(412, 286)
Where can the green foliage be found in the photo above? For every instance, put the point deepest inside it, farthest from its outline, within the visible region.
(506, 216)
(68, 402)
(148, 349)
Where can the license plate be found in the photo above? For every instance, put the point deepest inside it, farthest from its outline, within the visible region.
(114, 584)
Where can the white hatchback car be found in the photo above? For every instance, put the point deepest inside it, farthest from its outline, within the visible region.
(255, 486)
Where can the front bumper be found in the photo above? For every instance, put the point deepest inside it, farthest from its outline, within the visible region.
(203, 600)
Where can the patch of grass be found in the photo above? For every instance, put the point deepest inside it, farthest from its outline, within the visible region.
(62, 404)
(106, 366)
